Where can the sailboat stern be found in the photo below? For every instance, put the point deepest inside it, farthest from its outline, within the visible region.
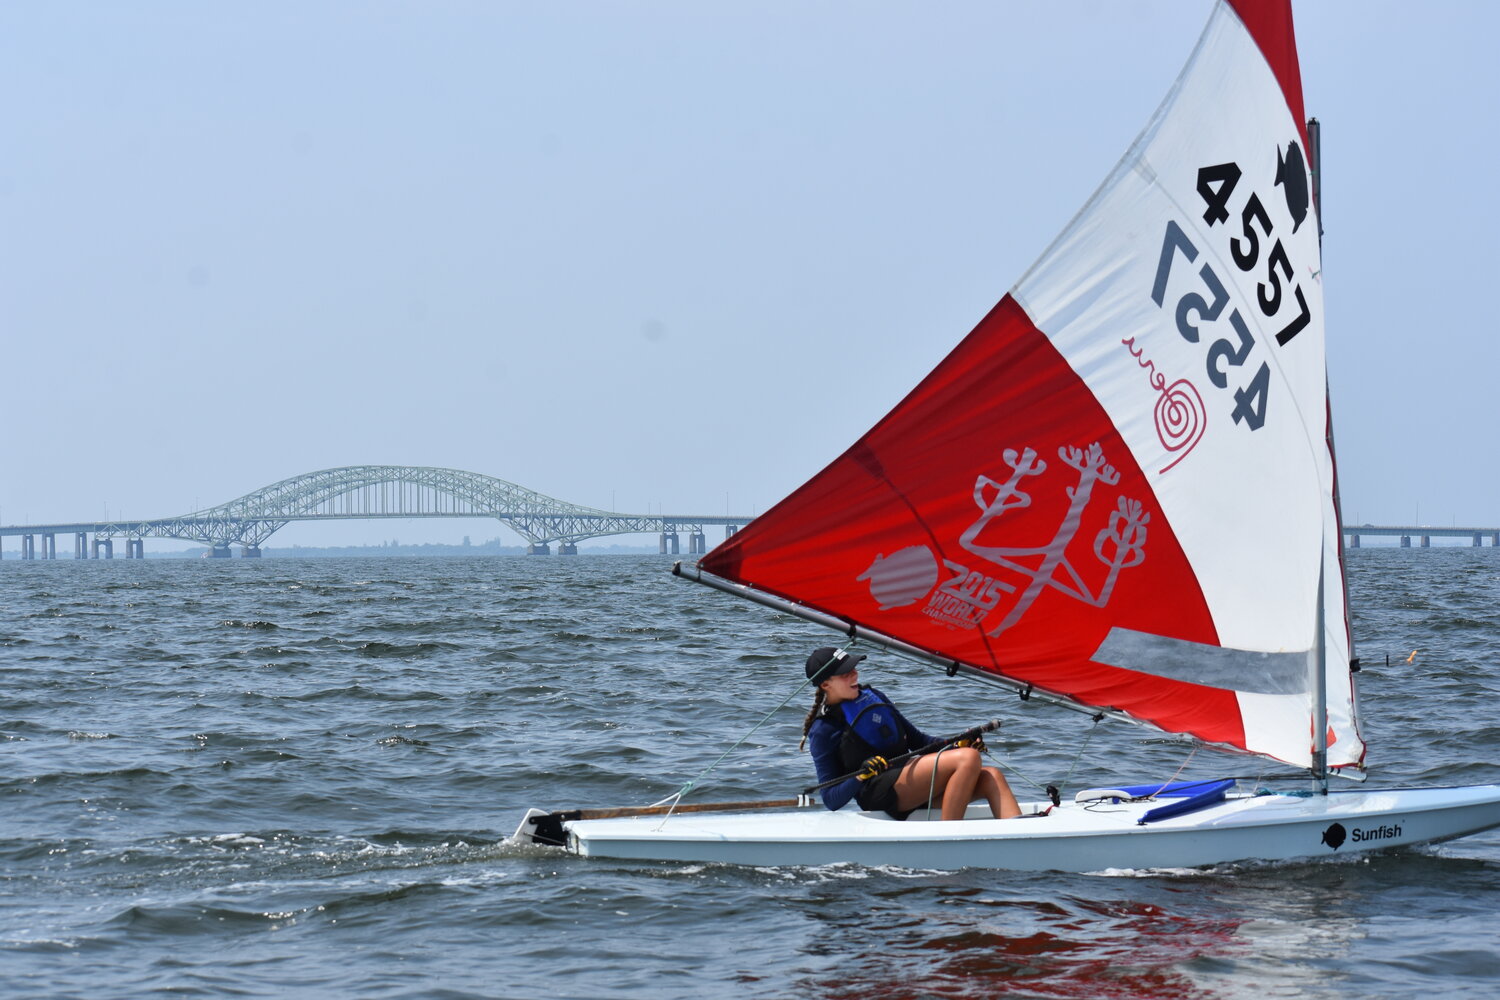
(540, 827)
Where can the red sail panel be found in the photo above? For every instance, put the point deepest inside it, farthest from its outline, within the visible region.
(1270, 24)
(996, 517)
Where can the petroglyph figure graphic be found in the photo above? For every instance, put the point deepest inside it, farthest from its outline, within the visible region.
(1120, 545)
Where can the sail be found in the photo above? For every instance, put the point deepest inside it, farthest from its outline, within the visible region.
(1118, 488)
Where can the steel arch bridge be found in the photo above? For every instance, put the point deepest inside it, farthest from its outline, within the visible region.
(392, 491)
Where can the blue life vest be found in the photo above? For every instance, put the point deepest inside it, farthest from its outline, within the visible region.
(871, 718)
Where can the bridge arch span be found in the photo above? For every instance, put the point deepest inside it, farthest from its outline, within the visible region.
(392, 491)
(363, 489)
(395, 491)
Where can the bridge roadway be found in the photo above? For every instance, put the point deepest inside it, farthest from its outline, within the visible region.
(369, 492)
(1426, 533)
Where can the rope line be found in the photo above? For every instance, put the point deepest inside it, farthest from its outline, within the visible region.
(1074, 766)
(932, 784)
(676, 796)
(1183, 766)
(1082, 749)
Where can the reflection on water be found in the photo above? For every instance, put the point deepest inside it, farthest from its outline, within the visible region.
(965, 942)
(1328, 930)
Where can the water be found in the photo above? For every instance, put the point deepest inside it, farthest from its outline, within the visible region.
(294, 778)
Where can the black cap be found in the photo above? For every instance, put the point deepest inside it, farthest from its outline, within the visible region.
(818, 663)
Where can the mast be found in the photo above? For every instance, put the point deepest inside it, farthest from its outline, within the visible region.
(1320, 697)
(1320, 659)
(1315, 149)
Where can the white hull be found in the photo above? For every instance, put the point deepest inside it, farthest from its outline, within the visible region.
(1074, 837)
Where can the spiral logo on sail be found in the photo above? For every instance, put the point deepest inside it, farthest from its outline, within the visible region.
(1180, 419)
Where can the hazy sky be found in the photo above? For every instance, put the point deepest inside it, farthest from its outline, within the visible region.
(653, 255)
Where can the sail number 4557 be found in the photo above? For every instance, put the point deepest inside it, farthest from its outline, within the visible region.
(1215, 185)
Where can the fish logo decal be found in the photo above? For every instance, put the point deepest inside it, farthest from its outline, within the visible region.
(1335, 836)
(1291, 177)
(903, 577)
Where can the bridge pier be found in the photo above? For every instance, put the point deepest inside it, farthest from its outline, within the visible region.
(1495, 539)
(1426, 541)
(538, 549)
(1354, 541)
(697, 543)
(1406, 541)
(669, 543)
(135, 548)
(49, 546)
(1478, 540)
(567, 549)
(249, 551)
(28, 547)
(81, 545)
(107, 545)
(729, 530)
(220, 551)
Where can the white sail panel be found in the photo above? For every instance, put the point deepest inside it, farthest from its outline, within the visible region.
(1187, 295)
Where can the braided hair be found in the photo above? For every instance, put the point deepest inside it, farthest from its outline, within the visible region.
(819, 696)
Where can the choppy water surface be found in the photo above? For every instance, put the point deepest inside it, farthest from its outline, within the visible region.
(294, 778)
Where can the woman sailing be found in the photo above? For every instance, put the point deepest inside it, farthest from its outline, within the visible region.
(854, 728)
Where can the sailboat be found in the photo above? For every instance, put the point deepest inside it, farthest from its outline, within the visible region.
(1117, 495)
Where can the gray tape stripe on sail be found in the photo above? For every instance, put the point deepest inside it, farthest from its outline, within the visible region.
(1196, 663)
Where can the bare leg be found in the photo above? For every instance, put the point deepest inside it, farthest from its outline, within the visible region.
(960, 780)
(958, 771)
(996, 790)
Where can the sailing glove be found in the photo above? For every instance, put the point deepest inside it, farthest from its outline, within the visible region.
(871, 767)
